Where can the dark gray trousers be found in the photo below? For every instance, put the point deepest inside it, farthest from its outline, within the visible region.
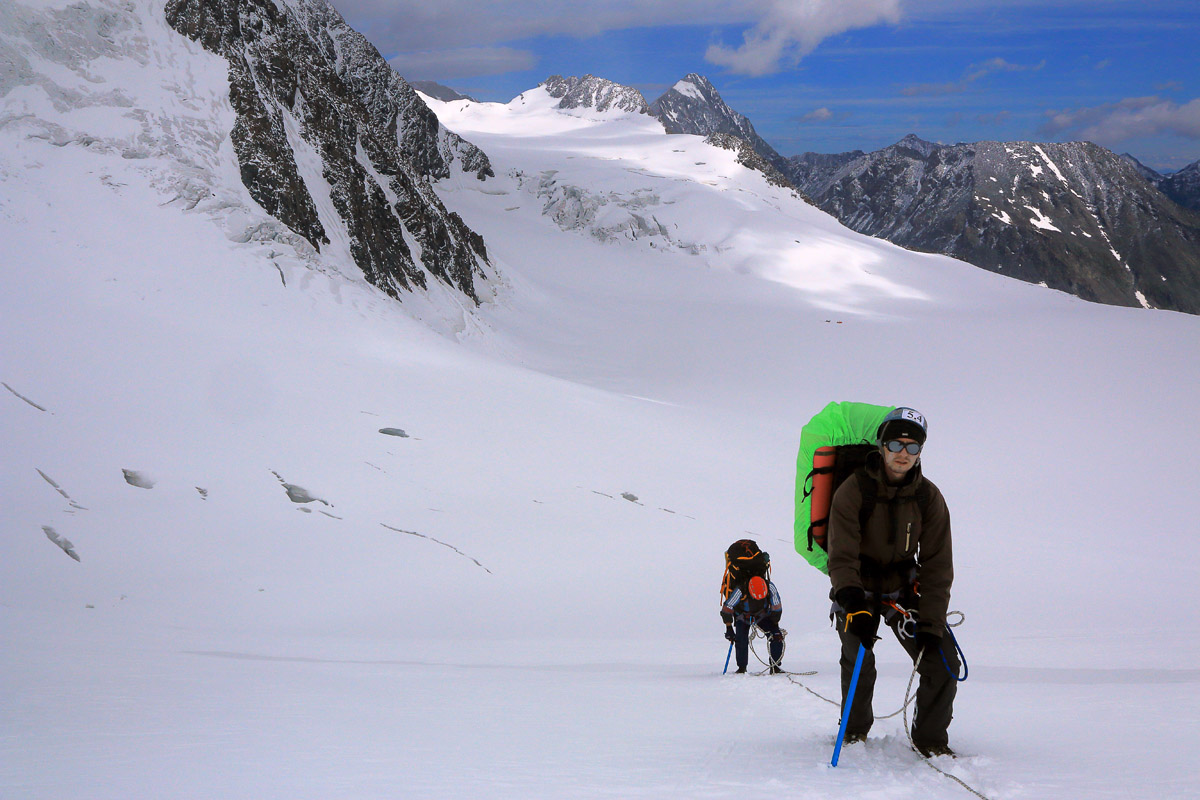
(741, 644)
(935, 692)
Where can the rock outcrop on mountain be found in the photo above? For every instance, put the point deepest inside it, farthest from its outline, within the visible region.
(595, 93)
(439, 92)
(1184, 186)
(1073, 216)
(1152, 177)
(748, 157)
(319, 112)
(694, 106)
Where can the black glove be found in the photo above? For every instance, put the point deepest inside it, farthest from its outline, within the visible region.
(863, 625)
(729, 633)
(851, 599)
(930, 641)
(860, 622)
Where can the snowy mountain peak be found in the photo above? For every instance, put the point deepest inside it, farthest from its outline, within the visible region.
(696, 87)
(694, 106)
(595, 93)
(917, 144)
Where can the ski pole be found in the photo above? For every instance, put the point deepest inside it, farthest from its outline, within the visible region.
(727, 655)
(837, 748)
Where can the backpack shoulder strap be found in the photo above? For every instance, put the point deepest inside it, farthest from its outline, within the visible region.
(870, 495)
(924, 496)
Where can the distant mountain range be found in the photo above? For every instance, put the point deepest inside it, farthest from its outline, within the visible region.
(1074, 217)
(1183, 186)
(334, 145)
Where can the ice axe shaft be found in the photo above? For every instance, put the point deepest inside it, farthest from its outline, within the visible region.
(837, 748)
(727, 655)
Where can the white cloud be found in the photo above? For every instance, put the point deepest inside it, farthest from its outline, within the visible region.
(464, 62)
(414, 26)
(788, 30)
(1131, 118)
(973, 73)
(993, 65)
(477, 31)
(817, 115)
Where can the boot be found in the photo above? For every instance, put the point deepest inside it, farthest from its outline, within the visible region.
(935, 750)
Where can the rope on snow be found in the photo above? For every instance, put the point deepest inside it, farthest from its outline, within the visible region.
(909, 697)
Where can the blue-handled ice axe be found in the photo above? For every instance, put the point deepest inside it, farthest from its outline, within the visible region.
(837, 748)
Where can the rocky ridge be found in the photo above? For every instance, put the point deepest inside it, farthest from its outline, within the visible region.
(1072, 216)
(748, 157)
(1184, 186)
(316, 103)
(595, 93)
(439, 92)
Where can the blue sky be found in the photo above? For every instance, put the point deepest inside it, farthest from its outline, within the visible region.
(837, 75)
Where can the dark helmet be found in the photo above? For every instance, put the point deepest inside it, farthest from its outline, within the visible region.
(906, 422)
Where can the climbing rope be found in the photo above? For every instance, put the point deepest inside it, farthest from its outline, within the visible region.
(908, 689)
(909, 697)
(838, 703)
(758, 633)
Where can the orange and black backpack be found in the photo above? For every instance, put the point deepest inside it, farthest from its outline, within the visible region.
(743, 561)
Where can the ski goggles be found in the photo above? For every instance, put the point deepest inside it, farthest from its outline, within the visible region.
(895, 446)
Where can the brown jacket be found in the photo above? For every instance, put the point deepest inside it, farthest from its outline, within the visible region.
(896, 532)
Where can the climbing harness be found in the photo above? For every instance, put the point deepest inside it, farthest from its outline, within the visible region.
(907, 627)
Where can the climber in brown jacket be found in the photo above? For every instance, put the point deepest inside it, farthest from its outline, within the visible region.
(890, 558)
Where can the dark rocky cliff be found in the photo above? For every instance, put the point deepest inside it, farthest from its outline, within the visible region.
(306, 88)
(1073, 216)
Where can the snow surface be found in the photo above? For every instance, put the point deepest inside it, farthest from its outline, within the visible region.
(518, 599)
(1053, 167)
(688, 89)
(1040, 221)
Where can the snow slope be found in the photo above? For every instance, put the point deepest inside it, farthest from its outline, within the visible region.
(516, 598)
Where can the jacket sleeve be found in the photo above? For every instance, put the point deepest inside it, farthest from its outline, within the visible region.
(935, 565)
(773, 610)
(728, 605)
(845, 536)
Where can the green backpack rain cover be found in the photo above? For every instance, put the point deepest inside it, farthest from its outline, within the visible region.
(837, 424)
